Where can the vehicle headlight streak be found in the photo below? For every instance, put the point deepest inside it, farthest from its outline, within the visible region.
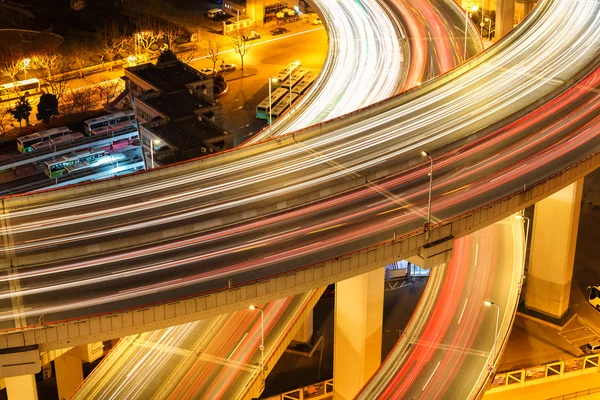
(394, 131)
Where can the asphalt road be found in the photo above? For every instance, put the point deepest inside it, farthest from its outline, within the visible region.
(91, 262)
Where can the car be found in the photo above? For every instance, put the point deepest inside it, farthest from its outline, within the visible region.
(228, 67)
(208, 71)
(317, 21)
(252, 36)
(591, 347)
(278, 31)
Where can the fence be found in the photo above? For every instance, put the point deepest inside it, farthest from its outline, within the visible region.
(317, 391)
(558, 368)
(575, 395)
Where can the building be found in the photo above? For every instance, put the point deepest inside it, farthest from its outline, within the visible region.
(178, 116)
(262, 11)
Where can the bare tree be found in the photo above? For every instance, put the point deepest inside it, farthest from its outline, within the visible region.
(82, 99)
(108, 90)
(57, 86)
(169, 34)
(146, 39)
(5, 119)
(77, 5)
(111, 40)
(50, 61)
(212, 48)
(240, 45)
(11, 64)
(148, 32)
(79, 54)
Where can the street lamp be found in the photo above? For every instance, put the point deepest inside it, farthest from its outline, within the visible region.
(26, 62)
(490, 304)
(489, 21)
(152, 143)
(271, 79)
(522, 217)
(473, 9)
(292, 80)
(262, 338)
(428, 223)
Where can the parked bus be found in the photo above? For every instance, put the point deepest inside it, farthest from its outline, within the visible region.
(69, 137)
(25, 143)
(294, 78)
(285, 73)
(283, 105)
(55, 168)
(109, 123)
(28, 87)
(304, 84)
(262, 111)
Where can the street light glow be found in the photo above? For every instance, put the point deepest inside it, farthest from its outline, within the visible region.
(424, 153)
(252, 308)
(488, 303)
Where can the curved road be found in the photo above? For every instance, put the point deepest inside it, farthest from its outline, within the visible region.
(187, 220)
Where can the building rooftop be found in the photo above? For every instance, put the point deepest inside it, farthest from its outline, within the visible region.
(176, 104)
(168, 77)
(189, 135)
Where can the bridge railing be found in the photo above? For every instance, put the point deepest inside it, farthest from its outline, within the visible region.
(555, 370)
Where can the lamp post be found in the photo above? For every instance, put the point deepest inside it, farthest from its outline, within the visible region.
(490, 304)
(152, 143)
(489, 21)
(271, 79)
(474, 8)
(262, 338)
(26, 62)
(428, 223)
(292, 80)
(522, 217)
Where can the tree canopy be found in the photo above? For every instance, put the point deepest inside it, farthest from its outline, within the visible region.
(47, 107)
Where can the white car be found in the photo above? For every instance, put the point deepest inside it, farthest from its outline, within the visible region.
(208, 71)
(228, 67)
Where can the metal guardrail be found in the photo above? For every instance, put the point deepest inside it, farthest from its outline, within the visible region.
(558, 368)
(316, 391)
(575, 395)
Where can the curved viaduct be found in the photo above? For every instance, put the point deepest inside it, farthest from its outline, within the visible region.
(362, 166)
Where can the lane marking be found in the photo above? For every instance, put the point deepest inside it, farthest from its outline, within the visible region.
(431, 376)
(463, 311)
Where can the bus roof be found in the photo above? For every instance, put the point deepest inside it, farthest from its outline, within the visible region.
(109, 116)
(19, 83)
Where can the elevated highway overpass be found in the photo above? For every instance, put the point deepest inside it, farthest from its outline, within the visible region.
(47, 226)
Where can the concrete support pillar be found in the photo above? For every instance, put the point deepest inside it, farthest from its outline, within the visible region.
(306, 330)
(505, 14)
(21, 387)
(552, 253)
(357, 338)
(88, 352)
(69, 375)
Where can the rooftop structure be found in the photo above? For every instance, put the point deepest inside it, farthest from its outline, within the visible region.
(179, 117)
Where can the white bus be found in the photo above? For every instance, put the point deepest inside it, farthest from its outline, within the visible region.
(25, 143)
(69, 137)
(108, 123)
(285, 73)
(28, 87)
(304, 84)
(262, 110)
(56, 167)
(283, 105)
(294, 78)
